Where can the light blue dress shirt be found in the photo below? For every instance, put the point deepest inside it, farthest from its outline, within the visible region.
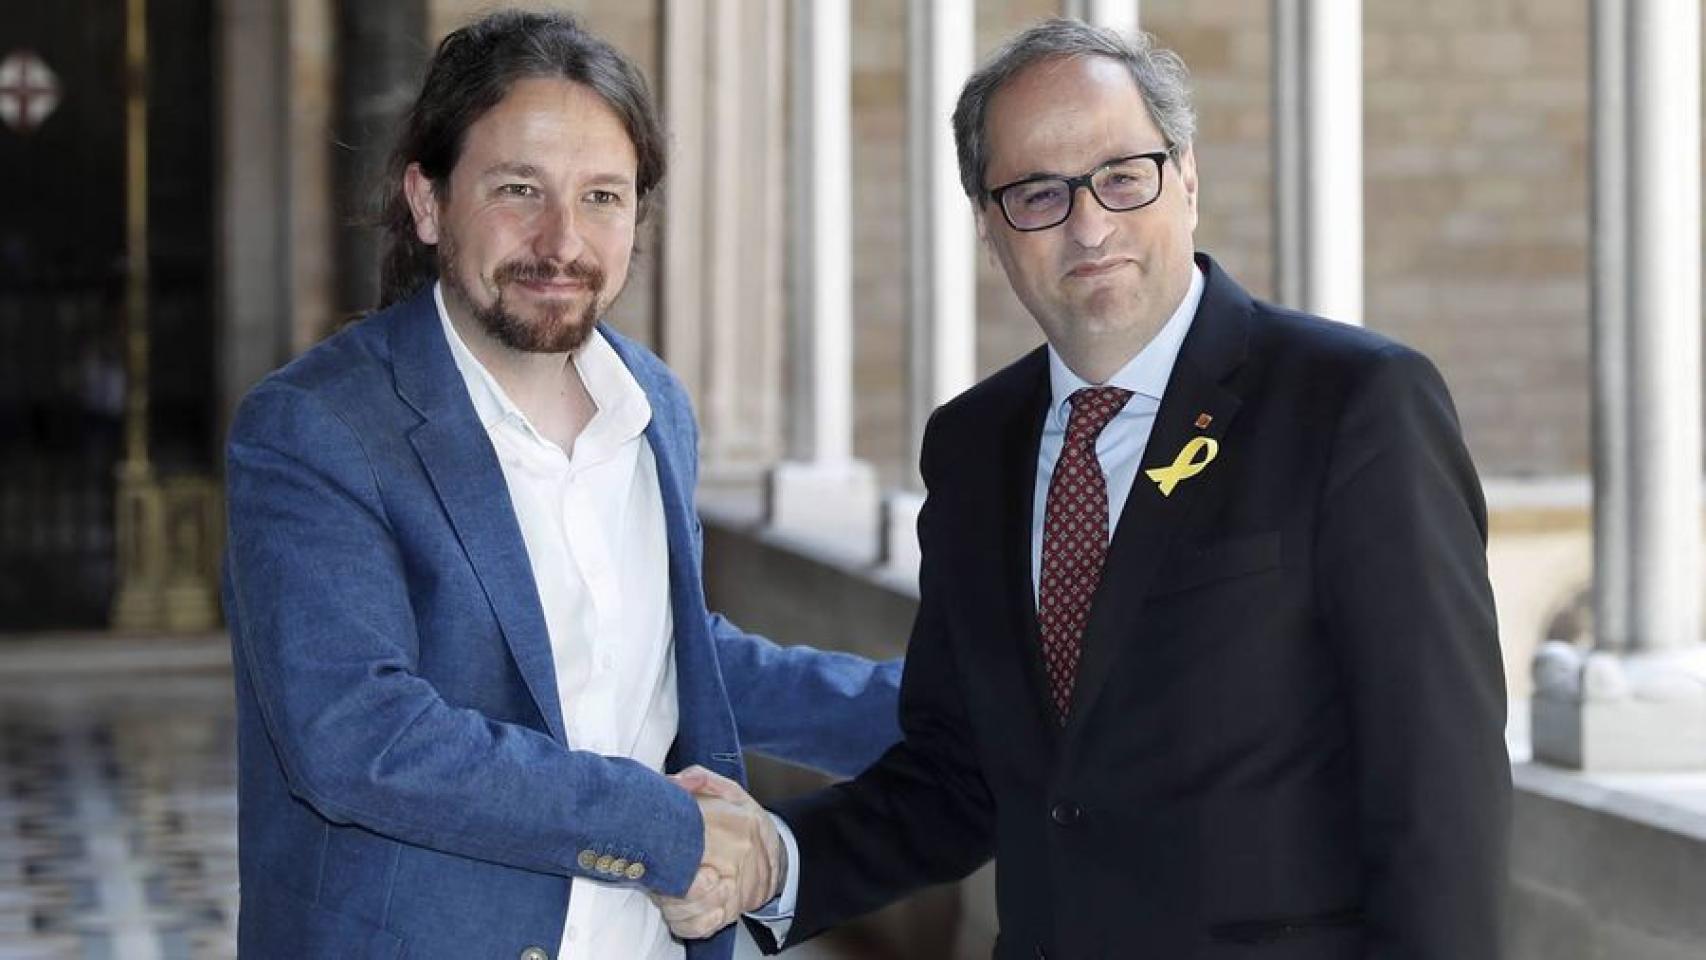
(1120, 447)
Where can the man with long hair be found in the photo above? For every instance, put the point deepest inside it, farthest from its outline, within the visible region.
(467, 616)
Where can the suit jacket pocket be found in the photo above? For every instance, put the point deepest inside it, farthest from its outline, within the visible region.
(1285, 928)
(1197, 564)
(280, 925)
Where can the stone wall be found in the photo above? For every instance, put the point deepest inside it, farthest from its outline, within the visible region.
(1606, 868)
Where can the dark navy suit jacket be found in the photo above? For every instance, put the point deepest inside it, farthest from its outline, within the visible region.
(404, 783)
(1286, 737)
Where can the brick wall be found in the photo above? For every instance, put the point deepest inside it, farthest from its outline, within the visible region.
(1477, 207)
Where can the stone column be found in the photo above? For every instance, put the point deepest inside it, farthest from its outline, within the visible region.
(1612, 511)
(1642, 705)
(1121, 15)
(382, 55)
(254, 289)
(311, 64)
(682, 279)
(821, 494)
(942, 245)
(1318, 156)
(721, 285)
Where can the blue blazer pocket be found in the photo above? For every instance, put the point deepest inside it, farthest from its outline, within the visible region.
(281, 925)
(1195, 565)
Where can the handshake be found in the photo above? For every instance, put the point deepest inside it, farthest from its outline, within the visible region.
(743, 867)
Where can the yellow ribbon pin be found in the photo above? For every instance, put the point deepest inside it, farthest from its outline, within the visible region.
(1185, 465)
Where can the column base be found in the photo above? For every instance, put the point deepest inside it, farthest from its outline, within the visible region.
(900, 532)
(1604, 711)
(832, 506)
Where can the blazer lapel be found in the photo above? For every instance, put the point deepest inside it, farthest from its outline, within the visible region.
(706, 731)
(1021, 437)
(458, 458)
(1196, 403)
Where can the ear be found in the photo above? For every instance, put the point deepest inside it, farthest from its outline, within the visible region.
(1188, 179)
(980, 212)
(423, 203)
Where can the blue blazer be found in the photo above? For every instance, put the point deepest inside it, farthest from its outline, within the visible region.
(405, 787)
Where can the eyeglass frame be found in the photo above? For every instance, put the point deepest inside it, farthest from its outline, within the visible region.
(1087, 181)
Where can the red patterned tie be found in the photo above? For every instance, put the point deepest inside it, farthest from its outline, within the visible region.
(1075, 538)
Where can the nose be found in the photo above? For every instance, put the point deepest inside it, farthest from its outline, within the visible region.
(1089, 224)
(556, 234)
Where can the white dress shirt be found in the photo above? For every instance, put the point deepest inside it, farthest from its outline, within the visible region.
(593, 523)
(1120, 447)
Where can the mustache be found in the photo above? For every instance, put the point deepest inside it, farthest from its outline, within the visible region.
(546, 271)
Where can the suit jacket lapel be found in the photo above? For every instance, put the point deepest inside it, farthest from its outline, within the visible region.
(1214, 347)
(459, 459)
(706, 730)
(1022, 436)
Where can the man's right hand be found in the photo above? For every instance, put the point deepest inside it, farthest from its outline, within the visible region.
(742, 865)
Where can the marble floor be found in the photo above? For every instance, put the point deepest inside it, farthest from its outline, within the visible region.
(118, 802)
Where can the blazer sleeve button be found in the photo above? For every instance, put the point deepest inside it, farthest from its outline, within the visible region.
(534, 953)
(587, 860)
(619, 867)
(604, 863)
(1066, 813)
(636, 871)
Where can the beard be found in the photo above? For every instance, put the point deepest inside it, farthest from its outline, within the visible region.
(558, 329)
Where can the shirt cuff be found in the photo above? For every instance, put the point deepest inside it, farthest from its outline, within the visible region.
(778, 915)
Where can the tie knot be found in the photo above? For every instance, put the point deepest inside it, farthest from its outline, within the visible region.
(1092, 408)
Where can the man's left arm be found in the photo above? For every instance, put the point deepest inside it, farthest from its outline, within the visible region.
(834, 712)
(1401, 564)
(829, 711)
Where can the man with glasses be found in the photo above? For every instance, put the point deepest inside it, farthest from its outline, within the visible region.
(1206, 654)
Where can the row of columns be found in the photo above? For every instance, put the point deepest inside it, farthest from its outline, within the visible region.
(1638, 699)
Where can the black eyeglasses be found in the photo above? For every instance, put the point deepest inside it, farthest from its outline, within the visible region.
(1127, 183)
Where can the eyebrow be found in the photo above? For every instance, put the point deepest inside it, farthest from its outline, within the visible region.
(531, 172)
(611, 180)
(1038, 174)
(511, 169)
